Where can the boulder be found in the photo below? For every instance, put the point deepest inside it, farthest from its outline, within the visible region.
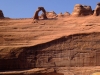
(97, 10)
(80, 10)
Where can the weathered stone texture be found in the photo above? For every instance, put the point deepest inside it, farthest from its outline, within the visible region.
(51, 14)
(71, 51)
(80, 10)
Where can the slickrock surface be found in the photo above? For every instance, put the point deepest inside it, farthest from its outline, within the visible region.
(63, 44)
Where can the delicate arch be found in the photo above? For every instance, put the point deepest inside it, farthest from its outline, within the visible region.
(37, 11)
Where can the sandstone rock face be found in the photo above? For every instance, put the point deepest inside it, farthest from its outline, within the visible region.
(1, 14)
(80, 10)
(37, 11)
(97, 10)
(79, 50)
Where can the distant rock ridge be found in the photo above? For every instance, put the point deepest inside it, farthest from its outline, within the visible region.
(79, 10)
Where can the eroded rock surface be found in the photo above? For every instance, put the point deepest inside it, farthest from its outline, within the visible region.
(51, 14)
(77, 50)
(97, 10)
(82, 10)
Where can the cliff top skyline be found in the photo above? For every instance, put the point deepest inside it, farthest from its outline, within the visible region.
(26, 9)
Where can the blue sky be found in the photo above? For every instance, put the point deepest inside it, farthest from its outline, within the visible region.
(26, 8)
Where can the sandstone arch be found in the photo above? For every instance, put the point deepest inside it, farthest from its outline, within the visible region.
(97, 10)
(37, 11)
(1, 14)
(80, 10)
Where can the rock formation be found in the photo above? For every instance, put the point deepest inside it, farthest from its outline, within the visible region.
(51, 14)
(72, 50)
(80, 10)
(1, 14)
(87, 10)
(97, 10)
(37, 11)
(63, 15)
(66, 14)
(60, 15)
